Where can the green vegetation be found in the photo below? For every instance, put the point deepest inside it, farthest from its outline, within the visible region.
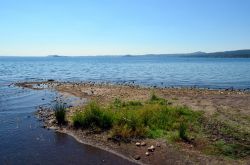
(232, 150)
(60, 113)
(93, 116)
(232, 141)
(183, 131)
(134, 119)
(158, 118)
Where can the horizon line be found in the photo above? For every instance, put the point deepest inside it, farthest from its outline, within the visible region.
(96, 55)
(118, 55)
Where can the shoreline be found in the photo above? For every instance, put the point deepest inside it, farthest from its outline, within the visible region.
(29, 84)
(106, 92)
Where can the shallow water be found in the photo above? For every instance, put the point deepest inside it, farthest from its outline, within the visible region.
(23, 141)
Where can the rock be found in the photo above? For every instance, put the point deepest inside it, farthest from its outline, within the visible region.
(151, 148)
(143, 144)
(158, 145)
(137, 144)
(137, 157)
(51, 122)
(147, 154)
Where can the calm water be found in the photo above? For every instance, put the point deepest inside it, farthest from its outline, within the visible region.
(23, 141)
(161, 71)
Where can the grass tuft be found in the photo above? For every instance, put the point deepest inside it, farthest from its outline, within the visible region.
(93, 116)
(60, 113)
(183, 131)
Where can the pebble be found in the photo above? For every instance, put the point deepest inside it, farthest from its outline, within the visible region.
(143, 144)
(137, 144)
(137, 157)
(158, 145)
(147, 154)
(151, 148)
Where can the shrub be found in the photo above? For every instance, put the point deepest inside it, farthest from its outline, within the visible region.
(60, 113)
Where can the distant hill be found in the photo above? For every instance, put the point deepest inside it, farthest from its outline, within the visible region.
(55, 56)
(226, 54)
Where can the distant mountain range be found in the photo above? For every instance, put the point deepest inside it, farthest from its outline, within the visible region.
(225, 54)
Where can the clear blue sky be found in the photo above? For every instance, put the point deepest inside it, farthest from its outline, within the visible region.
(98, 27)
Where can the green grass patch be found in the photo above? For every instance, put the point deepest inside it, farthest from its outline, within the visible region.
(154, 118)
(233, 141)
(158, 118)
(93, 116)
(231, 150)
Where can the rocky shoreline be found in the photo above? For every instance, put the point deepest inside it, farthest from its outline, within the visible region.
(156, 151)
(46, 115)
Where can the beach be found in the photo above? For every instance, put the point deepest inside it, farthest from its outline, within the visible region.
(230, 106)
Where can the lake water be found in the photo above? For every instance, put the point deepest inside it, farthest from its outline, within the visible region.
(161, 71)
(23, 141)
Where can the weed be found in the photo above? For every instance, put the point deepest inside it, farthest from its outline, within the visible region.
(60, 113)
(183, 131)
(93, 116)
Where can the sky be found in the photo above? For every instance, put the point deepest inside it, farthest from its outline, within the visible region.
(118, 27)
